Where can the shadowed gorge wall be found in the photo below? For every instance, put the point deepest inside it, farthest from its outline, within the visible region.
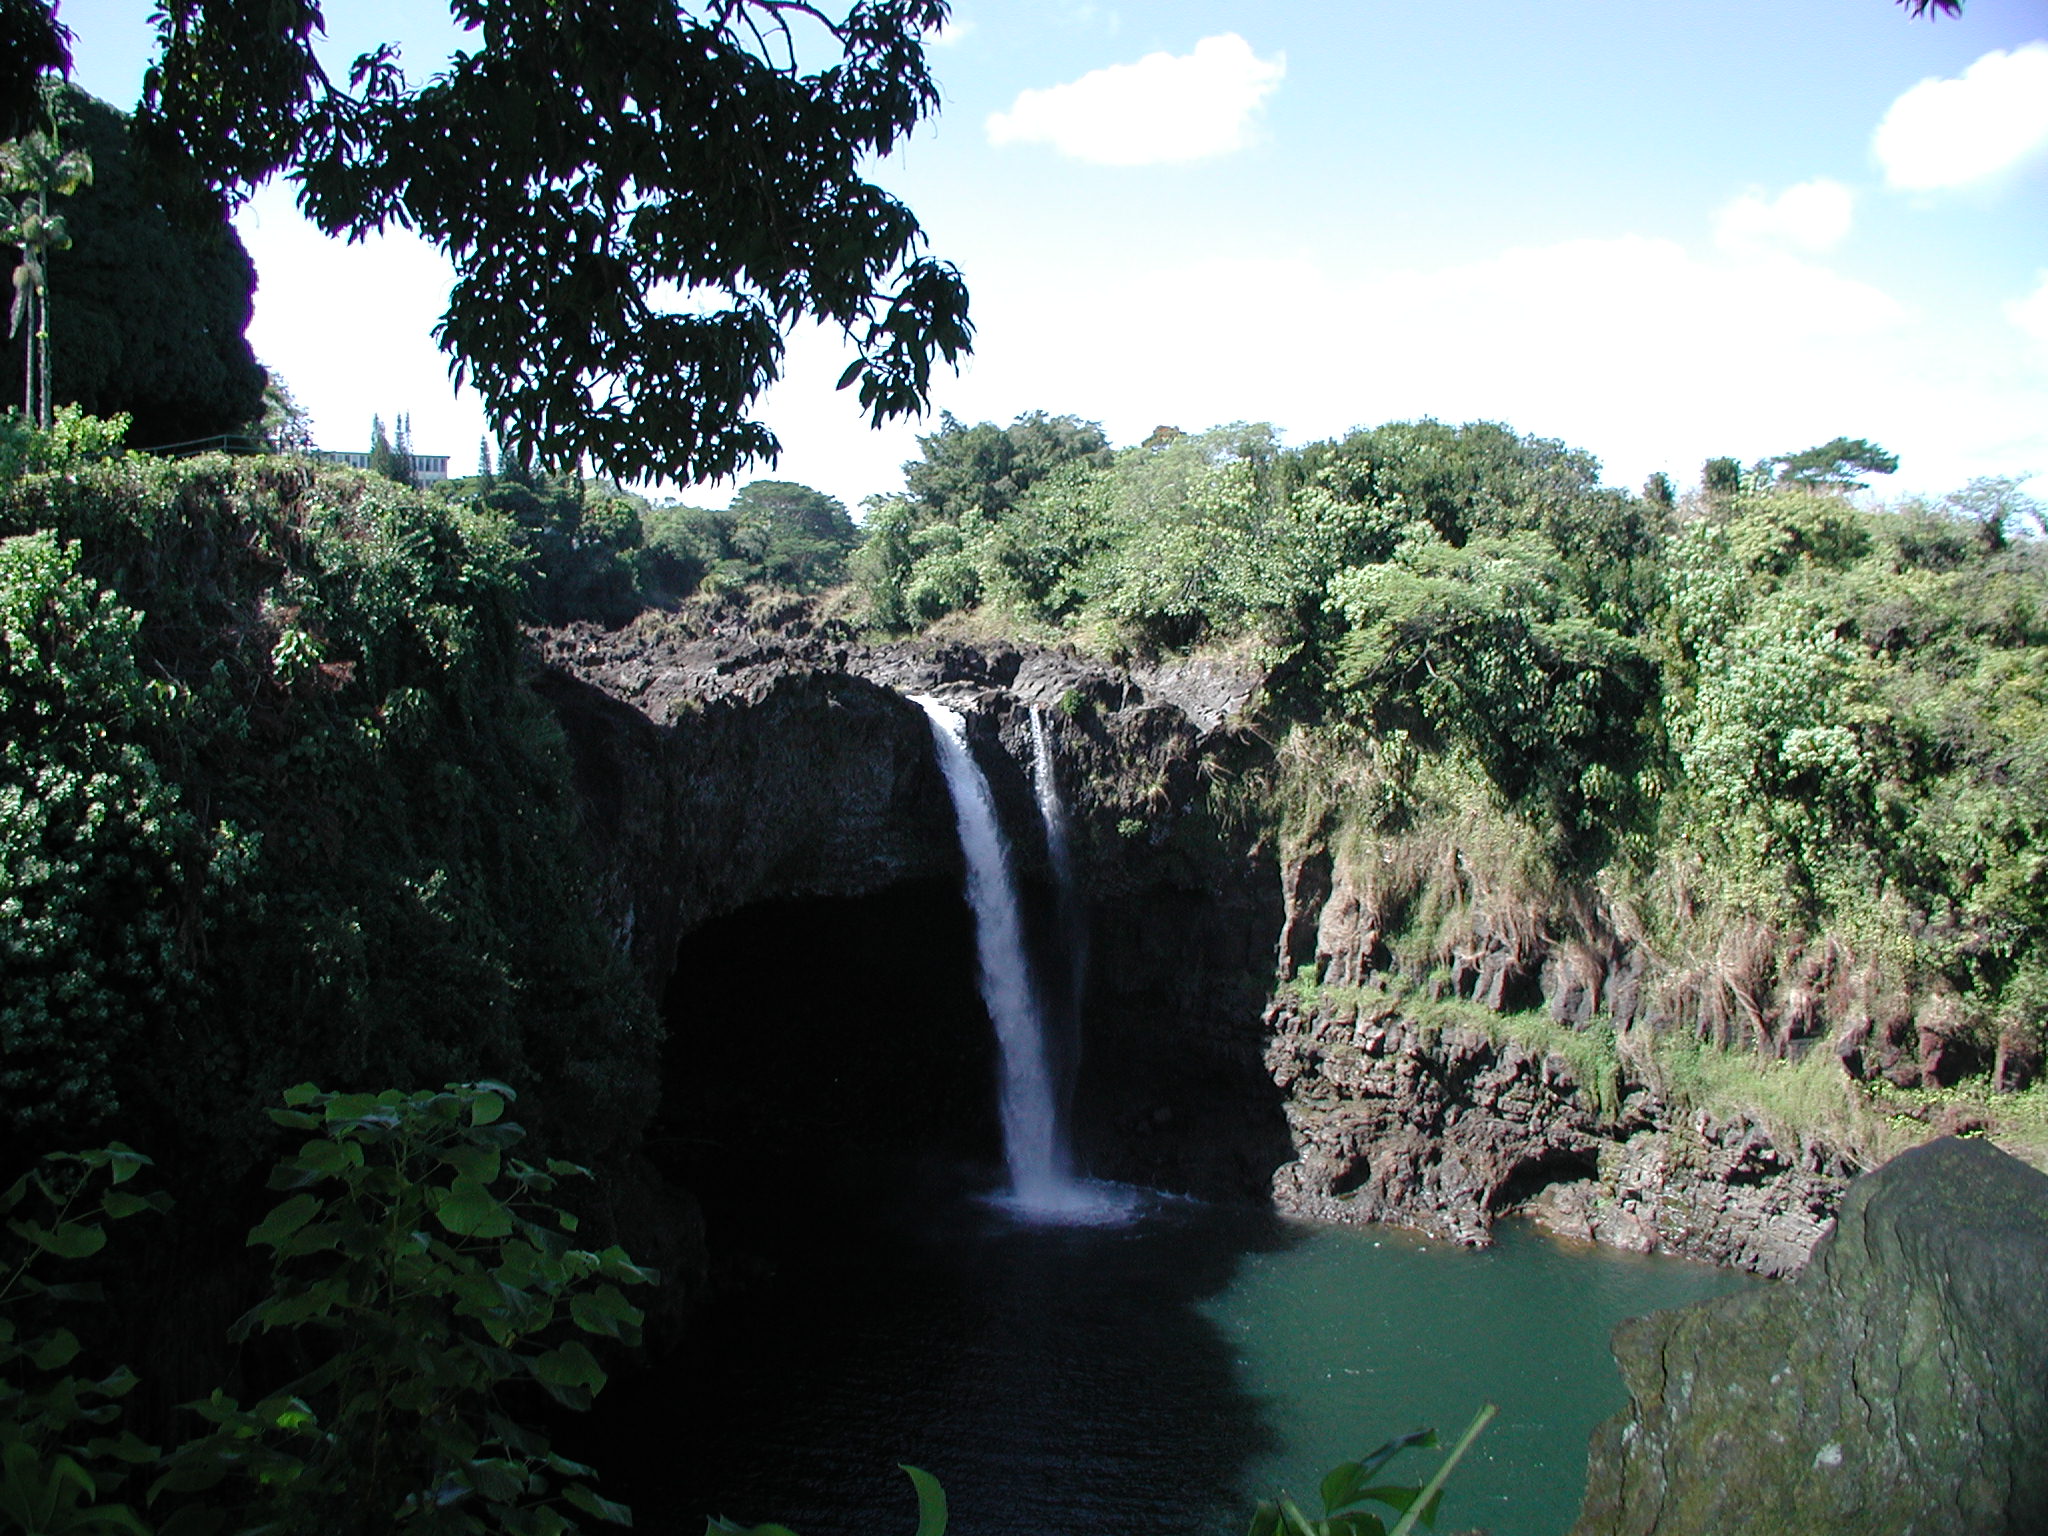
(783, 866)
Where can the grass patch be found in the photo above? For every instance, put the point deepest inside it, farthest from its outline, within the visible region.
(1812, 1098)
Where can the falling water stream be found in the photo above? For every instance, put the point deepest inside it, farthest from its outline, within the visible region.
(1042, 1182)
(1072, 920)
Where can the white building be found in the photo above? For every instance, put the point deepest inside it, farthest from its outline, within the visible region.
(427, 468)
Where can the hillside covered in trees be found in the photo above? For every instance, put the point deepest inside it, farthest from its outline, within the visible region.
(1756, 773)
(1792, 740)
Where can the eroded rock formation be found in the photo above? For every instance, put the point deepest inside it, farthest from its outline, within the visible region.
(1900, 1384)
(1446, 1129)
(762, 761)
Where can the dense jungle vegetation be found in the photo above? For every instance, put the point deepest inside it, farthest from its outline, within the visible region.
(279, 806)
(1789, 744)
(1787, 741)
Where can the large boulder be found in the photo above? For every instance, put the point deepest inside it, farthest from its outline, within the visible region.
(1899, 1385)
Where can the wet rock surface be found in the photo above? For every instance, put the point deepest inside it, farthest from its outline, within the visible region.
(1900, 1384)
(1446, 1130)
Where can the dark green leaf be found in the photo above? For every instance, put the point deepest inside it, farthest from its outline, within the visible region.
(571, 1365)
(284, 1220)
(479, 1165)
(470, 1210)
(67, 1240)
(57, 1351)
(1340, 1486)
(591, 1504)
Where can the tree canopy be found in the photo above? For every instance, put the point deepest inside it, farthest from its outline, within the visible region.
(32, 44)
(1836, 465)
(986, 468)
(148, 306)
(577, 167)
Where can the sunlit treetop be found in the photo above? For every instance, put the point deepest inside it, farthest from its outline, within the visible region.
(640, 200)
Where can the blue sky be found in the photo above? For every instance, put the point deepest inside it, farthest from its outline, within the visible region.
(1657, 229)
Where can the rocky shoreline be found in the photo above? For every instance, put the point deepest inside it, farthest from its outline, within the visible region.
(1446, 1130)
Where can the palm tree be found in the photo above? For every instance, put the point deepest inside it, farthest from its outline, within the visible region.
(33, 168)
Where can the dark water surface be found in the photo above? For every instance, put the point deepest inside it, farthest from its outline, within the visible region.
(1152, 1377)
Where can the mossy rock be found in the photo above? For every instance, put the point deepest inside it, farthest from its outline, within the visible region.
(1899, 1385)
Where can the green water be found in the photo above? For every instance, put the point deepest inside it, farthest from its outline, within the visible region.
(1158, 1375)
(1351, 1335)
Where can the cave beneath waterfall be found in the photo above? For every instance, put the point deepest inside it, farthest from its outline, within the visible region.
(814, 1043)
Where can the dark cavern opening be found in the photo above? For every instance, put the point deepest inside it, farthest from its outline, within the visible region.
(813, 1042)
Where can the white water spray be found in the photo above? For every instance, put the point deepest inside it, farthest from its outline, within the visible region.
(1042, 1182)
(1072, 921)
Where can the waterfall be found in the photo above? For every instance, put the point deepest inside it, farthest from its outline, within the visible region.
(1042, 1182)
(1072, 921)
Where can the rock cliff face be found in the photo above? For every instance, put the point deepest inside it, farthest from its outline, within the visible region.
(1447, 1129)
(766, 805)
(1900, 1384)
(771, 767)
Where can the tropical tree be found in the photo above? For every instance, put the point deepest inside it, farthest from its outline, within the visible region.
(793, 535)
(575, 165)
(156, 296)
(285, 427)
(1997, 505)
(33, 169)
(1720, 478)
(402, 468)
(987, 469)
(1834, 465)
(383, 461)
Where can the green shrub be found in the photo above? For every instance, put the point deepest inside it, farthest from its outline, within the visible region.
(425, 1279)
(64, 1458)
(279, 804)
(101, 864)
(428, 1292)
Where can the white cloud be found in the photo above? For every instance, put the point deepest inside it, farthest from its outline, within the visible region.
(956, 30)
(1813, 216)
(1161, 110)
(2030, 314)
(1950, 133)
